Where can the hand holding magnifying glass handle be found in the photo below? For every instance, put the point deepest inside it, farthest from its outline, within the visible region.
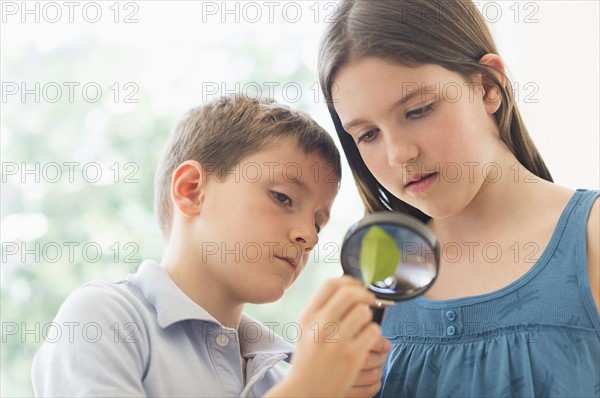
(379, 309)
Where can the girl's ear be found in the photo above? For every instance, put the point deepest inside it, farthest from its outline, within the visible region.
(187, 188)
(492, 96)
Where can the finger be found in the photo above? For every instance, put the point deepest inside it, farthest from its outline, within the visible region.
(367, 336)
(326, 290)
(344, 299)
(382, 346)
(374, 360)
(365, 391)
(355, 320)
(369, 377)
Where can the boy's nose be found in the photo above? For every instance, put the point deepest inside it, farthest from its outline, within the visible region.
(305, 237)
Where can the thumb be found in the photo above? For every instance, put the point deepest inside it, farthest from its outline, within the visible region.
(382, 346)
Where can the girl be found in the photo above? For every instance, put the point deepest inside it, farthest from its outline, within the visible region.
(429, 125)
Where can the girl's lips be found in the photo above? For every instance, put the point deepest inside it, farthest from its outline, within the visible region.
(421, 183)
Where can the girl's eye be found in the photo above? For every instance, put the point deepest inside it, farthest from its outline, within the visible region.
(368, 137)
(282, 198)
(317, 228)
(417, 113)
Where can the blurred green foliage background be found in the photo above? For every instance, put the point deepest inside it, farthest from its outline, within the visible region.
(48, 221)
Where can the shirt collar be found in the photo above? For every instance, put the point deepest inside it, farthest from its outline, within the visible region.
(173, 305)
(256, 338)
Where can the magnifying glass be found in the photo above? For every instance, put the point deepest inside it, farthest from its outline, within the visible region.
(395, 255)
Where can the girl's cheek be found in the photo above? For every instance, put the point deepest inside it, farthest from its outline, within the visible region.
(370, 157)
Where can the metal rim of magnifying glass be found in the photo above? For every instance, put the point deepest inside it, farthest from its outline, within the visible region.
(405, 221)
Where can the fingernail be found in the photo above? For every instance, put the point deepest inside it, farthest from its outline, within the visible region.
(388, 345)
(379, 303)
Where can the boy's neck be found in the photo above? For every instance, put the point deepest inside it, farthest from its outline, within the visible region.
(202, 289)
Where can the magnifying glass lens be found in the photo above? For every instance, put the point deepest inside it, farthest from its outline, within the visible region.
(396, 256)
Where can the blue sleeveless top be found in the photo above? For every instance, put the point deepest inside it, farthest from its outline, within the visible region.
(537, 337)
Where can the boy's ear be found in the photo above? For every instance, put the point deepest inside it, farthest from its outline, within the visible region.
(187, 188)
(492, 96)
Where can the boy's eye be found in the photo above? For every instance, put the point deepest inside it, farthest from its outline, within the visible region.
(368, 137)
(282, 198)
(417, 113)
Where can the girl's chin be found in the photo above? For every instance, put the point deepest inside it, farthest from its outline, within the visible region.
(441, 211)
(418, 204)
(433, 210)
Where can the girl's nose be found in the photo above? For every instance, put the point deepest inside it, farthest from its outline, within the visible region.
(400, 151)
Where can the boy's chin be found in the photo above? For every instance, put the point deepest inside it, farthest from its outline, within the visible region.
(267, 294)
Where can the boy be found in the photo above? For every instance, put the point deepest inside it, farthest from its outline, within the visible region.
(240, 207)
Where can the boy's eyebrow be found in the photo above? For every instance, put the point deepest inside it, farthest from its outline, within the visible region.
(291, 180)
(407, 97)
(298, 182)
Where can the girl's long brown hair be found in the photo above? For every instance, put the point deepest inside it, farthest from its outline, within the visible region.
(449, 33)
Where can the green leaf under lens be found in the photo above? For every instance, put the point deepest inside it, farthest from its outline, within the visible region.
(379, 255)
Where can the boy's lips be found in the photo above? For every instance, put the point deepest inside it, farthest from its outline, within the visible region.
(289, 260)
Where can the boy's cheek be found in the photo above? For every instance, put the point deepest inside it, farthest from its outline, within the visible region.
(302, 265)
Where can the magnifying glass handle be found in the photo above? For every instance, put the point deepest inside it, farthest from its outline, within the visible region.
(378, 313)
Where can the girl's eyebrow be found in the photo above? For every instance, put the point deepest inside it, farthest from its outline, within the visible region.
(423, 88)
(353, 123)
(426, 89)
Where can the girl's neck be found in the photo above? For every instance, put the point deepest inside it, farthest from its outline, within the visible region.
(496, 208)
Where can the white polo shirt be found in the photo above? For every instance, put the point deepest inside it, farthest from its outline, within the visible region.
(143, 336)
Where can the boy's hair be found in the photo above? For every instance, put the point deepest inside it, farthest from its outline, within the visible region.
(452, 34)
(222, 132)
